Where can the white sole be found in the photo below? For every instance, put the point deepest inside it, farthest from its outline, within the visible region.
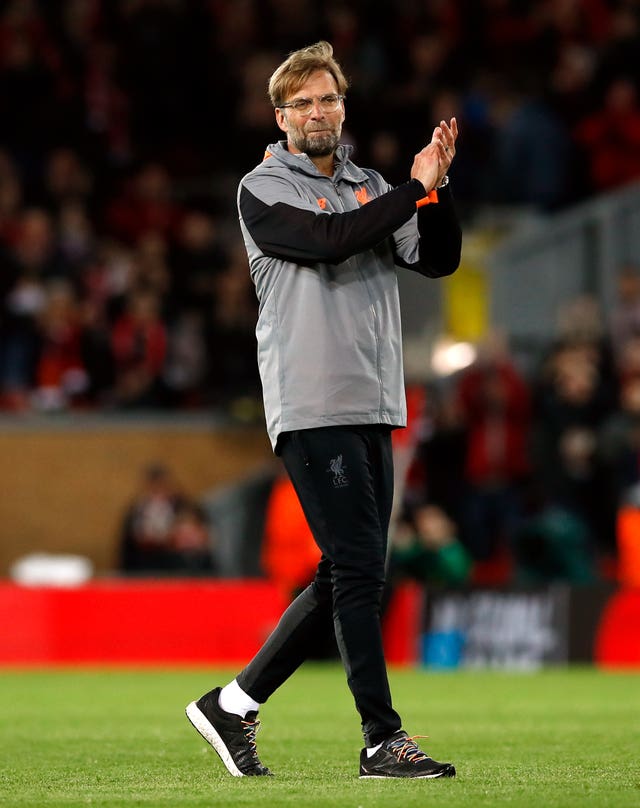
(388, 777)
(202, 724)
(419, 777)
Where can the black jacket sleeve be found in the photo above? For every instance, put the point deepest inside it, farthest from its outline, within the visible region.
(285, 231)
(440, 234)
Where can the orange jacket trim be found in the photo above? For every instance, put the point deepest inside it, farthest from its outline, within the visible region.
(430, 199)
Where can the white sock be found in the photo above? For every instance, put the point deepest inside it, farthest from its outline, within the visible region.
(233, 699)
(371, 750)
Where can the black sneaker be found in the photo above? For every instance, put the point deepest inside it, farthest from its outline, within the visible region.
(233, 738)
(400, 756)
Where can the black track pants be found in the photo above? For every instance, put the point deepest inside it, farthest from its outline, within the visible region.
(344, 479)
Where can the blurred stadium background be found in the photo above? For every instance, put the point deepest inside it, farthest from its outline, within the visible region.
(139, 492)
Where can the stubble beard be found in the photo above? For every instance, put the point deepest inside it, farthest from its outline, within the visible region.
(319, 146)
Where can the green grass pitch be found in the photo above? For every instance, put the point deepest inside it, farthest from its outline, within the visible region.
(558, 738)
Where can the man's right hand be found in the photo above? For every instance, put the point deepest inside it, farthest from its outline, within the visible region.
(426, 166)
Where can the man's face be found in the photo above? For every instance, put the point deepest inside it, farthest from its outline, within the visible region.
(318, 133)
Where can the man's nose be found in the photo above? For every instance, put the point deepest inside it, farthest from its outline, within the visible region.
(316, 110)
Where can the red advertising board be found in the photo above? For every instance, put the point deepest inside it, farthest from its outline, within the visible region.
(144, 622)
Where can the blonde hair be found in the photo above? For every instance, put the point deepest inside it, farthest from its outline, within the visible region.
(297, 68)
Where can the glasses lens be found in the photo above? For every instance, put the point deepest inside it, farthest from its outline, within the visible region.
(328, 103)
(303, 105)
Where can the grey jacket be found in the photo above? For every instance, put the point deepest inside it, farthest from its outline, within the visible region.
(323, 254)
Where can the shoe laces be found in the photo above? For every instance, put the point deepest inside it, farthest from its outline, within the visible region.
(250, 728)
(407, 749)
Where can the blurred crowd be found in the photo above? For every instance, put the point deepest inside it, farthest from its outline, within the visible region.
(537, 475)
(126, 125)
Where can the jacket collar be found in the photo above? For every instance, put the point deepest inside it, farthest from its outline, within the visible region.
(345, 169)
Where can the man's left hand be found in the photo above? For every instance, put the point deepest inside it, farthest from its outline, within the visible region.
(445, 137)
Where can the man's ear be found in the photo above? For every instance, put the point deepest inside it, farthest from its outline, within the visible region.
(281, 119)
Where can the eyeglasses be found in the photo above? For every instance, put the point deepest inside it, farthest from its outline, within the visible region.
(304, 106)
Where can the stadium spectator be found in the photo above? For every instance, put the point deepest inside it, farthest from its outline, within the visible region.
(628, 361)
(187, 362)
(199, 256)
(192, 545)
(254, 117)
(11, 198)
(60, 376)
(426, 548)
(624, 323)
(22, 304)
(611, 137)
(429, 63)
(97, 354)
(571, 407)
(29, 261)
(581, 333)
(571, 81)
(437, 473)
(65, 179)
(76, 239)
(146, 534)
(530, 150)
(619, 444)
(494, 401)
(617, 55)
(145, 203)
(139, 344)
(106, 107)
(32, 84)
(385, 150)
(151, 270)
(34, 248)
(230, 336)
(553, 545)
(163, 531)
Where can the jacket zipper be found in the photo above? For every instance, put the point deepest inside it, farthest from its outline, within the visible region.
(374, 313)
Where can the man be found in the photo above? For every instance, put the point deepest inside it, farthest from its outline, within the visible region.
(324, 238)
